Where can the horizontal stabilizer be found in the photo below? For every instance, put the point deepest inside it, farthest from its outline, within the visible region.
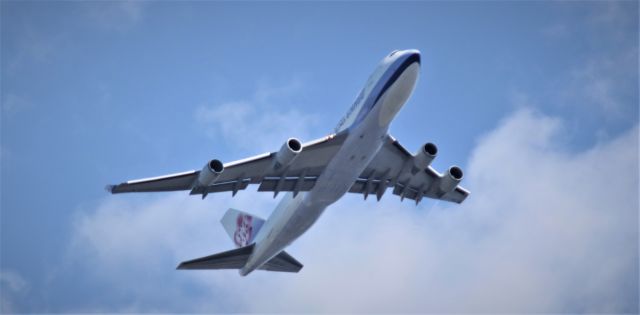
(237, 258)
(282, 262)
(232, 259)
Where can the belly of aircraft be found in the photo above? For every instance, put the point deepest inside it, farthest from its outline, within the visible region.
(301, 212)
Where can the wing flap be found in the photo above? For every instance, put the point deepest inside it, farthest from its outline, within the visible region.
(287, 183)
(233, 186)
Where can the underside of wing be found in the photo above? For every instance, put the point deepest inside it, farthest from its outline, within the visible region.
(231, 259)
(237, 258)
(410, 175)
(295, 167)
(172, 182)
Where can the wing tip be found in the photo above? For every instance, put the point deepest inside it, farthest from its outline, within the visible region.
(187, 265)
(465, 193)
(110, 188)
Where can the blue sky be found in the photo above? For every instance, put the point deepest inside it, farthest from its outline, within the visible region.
(537, 101)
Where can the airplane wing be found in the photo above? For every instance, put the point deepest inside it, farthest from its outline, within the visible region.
(393, 167)
(300, 175)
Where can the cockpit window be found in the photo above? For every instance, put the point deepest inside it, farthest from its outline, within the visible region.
(393, 53)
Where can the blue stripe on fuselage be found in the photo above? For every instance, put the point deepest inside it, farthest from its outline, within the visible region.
(385, 82)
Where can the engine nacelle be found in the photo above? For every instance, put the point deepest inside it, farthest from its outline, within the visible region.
(288, 152)
(422, 159)
(210, 172)
(450, 179)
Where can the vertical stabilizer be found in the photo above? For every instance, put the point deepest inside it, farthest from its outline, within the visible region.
(241, 226)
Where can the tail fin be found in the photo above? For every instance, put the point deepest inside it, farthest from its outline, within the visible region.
(241, 226)
(242, 229)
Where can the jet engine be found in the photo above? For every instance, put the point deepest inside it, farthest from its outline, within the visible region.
(425, 155)
(288, 152)
(449, 180)
(210, 172)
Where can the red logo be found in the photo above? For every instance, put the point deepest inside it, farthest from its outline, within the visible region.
(244, 230)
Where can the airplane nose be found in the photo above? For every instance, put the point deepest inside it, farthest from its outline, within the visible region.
(413, 55)
(409, 54)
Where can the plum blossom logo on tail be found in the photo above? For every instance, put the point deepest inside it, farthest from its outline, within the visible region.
(244, 230)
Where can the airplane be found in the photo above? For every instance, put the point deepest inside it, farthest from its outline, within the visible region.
(359, 156)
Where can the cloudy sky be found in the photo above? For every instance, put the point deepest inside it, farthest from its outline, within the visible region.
(537, 101)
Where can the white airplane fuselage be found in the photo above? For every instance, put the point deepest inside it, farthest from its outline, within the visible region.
(366, 125)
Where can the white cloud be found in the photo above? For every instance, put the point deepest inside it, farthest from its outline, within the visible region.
(556, 31)
(601, 83)
(611, 19)
(614, 17)
(257, 125)
(605, 83)
(545, 230)
(12, 280)
(115, 15)
(31, 47)
(12, 103)
(11, 285)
